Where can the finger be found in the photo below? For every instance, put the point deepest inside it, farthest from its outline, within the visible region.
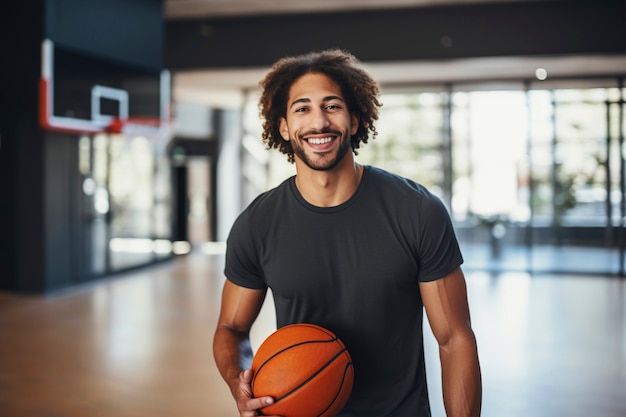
(247, 402)
(249, 407)
(246, 376)
(258, 403)
(245, 387)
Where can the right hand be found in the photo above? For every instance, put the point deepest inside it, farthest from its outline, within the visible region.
(246, 403)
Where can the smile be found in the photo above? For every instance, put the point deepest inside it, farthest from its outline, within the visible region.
(320, 141)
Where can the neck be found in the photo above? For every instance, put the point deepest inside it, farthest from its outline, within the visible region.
(329, 188)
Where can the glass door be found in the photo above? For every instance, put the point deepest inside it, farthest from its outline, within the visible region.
(126, 203)
(409, 142)
(575, 163)
(491, 178)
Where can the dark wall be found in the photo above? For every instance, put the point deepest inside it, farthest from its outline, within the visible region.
(548, 27)
(21, 154)
(119, 30)
(61, 188)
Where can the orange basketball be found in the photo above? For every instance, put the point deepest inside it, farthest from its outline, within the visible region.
(306, 368)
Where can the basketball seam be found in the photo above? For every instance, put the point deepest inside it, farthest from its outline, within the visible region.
(343, 380)
(296, 388)
(286, 349)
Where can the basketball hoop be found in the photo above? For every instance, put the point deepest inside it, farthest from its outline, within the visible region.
(152, 127)
(120, 120)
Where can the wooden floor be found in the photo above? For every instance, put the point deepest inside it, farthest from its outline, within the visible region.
(139, 345)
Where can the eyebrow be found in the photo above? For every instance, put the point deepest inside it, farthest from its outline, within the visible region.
(325, 99)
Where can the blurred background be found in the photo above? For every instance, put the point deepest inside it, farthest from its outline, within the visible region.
(510, 111)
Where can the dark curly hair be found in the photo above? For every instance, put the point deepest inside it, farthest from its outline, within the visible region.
(360, 91)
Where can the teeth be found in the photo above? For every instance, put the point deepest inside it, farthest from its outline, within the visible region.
(320, 141)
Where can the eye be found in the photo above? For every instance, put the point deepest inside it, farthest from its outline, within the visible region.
(333, 107)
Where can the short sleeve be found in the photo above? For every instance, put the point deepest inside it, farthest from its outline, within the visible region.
(241, 262)
(439, 251)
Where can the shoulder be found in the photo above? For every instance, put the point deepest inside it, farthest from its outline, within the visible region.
(406, 198)
(394, 186)
(263, 211)
(267, 201)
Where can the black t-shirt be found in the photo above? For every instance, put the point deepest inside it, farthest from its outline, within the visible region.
(354, 269)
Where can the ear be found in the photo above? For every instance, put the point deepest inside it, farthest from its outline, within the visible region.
(354, 123)
(284, 129)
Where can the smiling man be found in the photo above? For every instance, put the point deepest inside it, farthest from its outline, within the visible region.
(358, 250)
(321, 122)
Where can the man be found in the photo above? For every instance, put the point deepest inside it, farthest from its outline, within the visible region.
(352, 248)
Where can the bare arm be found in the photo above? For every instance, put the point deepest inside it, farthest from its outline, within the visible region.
(445, 301)
(231, 344)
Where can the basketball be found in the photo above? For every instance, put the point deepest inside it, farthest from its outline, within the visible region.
(306, 368)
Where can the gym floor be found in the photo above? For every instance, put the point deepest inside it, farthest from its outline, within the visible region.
(140, 345)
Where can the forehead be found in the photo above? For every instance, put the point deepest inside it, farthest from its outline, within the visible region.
(314, 85)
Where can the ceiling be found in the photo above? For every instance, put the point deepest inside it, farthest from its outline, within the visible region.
(176, 9)
(226, 87)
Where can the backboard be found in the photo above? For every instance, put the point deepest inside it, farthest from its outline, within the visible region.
(80, 93)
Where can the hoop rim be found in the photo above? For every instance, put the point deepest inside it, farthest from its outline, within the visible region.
(138, 125)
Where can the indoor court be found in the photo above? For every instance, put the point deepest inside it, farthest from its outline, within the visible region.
(139, 344)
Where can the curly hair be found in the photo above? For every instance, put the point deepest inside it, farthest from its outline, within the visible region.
(360, 91)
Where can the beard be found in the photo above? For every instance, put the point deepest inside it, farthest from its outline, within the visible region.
(324, 162)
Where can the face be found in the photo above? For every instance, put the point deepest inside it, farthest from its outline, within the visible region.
(318, 122)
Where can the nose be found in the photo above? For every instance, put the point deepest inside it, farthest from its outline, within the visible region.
(319, 119)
